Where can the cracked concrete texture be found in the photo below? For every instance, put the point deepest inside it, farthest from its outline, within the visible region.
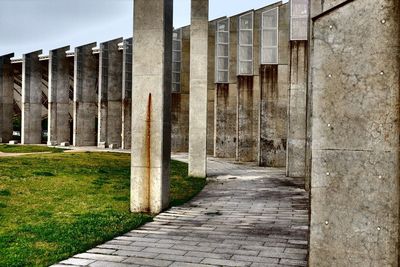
(355, 96)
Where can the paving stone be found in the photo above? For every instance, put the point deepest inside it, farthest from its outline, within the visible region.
(177, 258)
(225, 262)
(79, 262)
(111, 264)
(92, 256)
(149, 262)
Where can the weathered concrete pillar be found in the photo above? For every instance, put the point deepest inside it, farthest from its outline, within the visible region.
(151, 113)
(355, 80)
(110, 94)
(31, 132)
(6, 98)
(297, 107)
(180, 94)
(198, 88)
(58, 117)
(297, 110)
(274, 95)
(126, 94)
(85, 97)
(225, 138)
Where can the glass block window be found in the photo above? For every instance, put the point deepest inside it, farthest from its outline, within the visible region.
(269, 37)
(222, 52)
(245, 54)
(176, 60)
(298, 20)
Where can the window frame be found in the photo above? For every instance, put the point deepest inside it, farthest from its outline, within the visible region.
(217, 56)
(292, 16)
(276, 29)
(173, 82)
(246, 45)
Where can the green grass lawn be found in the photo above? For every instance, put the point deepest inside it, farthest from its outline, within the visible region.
(53, 206)
(27, 149)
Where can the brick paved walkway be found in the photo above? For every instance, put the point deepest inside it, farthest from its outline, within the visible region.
(246, 216)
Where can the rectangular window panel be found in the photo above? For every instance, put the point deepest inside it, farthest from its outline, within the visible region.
(269, 36)
(299, 20)
(176, 60)
(245, 49)
(222, 52)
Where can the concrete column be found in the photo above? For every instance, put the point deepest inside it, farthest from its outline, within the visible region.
(297, 115)
(126, 94)
(180, 101)
(211, 87)
(6, 98)
(31, 99)
(58, 117)
(151, 113)
(248, 96)
(225, 139)
(355, 80)
(274, 100)
(225, 121)
(198, 89)
(85, 97)
(110, 94)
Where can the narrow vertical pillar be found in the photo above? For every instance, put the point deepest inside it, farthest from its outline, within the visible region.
(126, 94)
(180, 90)
(110, 94)
(274, 76)
(355, 80)
(58, 117)
(31, 99)
(297, 110)
(85, 97)
(6, 98)
(151, 113)
(297, 107)
(198, 88)
(225, 139)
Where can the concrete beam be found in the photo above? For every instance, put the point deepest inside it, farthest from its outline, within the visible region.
(6, 98)
(151, 114)
(31, 99)
(127, 94)
(198, 88)
(58, 119)
(355, 80)
(85, 97)
(110, 94)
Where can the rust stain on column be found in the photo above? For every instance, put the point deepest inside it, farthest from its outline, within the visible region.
(148, 148)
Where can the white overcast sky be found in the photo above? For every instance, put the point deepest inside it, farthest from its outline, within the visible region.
(30, 25)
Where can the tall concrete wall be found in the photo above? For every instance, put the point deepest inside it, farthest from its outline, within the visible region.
(86, 67)
(274, 95)
(198, 88)
(247, 118)
(110, 94)
(59, 127)
(355, 78)
(6, 98)
(31, 99)
(225, 140)
(211, 87)
(297, 120)
(225, 121)
(126, 94)
(180, 101)
(151, 112)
